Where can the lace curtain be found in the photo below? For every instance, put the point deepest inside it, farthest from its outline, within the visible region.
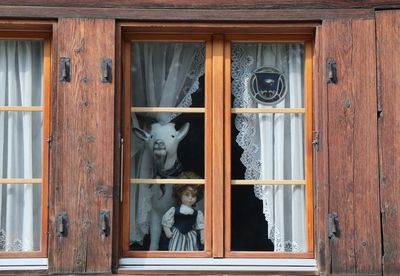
(273, 144)
(164, 74)
(20, 144)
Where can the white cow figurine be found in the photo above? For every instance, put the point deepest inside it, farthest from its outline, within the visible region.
(162, 142)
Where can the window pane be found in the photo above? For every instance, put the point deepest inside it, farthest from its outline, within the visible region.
(168, 74)
(21, 140)
(267, 74)
(167, 145)
(167, 217)
(268, 218)
(21, 73)
(160, 150)
(268, 146)
(20, 217)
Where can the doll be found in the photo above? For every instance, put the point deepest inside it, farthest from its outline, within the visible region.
(182, 223)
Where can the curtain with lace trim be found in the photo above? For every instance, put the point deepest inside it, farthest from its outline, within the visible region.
(21, 77)
(164, 74)
(273, 144)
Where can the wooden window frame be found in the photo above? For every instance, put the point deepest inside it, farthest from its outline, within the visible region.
(38, 30)
(127, 110)
(218, 109)
(308, 120)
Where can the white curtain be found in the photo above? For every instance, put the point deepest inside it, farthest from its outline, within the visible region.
(164, 74)
(273, 144)
(21, 73)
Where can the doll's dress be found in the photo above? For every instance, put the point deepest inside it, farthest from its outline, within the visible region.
(184, 222)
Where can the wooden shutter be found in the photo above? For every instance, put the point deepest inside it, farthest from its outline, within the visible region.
(352, 138)
(388, 45)
(82, 149)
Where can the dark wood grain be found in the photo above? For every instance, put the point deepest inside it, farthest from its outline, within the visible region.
(352, 140)
(210, 4)
(388, 38)
(185, 15)
(83, 147)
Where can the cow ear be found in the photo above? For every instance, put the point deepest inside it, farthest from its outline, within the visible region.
(183, 131)
(141, 134)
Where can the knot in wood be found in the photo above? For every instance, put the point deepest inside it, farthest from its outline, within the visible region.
(85, 79)
(88, 167)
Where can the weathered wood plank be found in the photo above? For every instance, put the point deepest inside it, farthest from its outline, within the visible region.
(366, 173)
(321, 156)
(207, 4)
(83, 149)
(185, 15)
(353, 174)
(388, 38)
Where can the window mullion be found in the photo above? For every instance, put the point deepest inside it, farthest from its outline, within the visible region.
(218, 146)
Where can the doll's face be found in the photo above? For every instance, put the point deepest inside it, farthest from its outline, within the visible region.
(189, 197)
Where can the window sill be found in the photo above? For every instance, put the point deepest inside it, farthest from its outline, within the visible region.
(226, 265)
(17, 264)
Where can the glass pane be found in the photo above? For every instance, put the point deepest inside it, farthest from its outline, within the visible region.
(21, 73)
(267, 75)
(165, 150)
(166, 145)
(167, 217)
(168, 74)
(20, 217)
(268, 146)
(268, 218)
(21, 140)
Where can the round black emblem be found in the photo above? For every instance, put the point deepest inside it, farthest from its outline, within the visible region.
(268, 85)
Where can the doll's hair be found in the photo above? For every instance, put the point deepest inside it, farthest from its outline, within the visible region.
(178, 190)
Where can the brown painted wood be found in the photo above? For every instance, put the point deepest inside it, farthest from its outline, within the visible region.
(83, 148)
(352, 138)
(388, 40)
(218, 238)
(207, 4)
(320, 156)
(185, 15)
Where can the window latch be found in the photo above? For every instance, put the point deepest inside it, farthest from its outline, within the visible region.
(333, 226)
(65, 69)
(106, 70)
(104, 223)
(315, 141)
(331, 73)
(62, 224)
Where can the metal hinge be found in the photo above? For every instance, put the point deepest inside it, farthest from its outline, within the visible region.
(62, 224)
(315, 141)
(65, 69)
(331, 74)
(333, 226)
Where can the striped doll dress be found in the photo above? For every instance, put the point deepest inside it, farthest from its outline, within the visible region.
(184, 222)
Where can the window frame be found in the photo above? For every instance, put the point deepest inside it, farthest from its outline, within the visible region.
(127, 109)
(308, 128)
(37, 31)
(221, 36)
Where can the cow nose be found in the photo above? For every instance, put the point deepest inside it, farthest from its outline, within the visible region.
(159, 144)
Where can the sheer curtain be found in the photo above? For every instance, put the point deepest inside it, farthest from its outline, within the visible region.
(273, 144)
(21, 73)
(164, 74)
